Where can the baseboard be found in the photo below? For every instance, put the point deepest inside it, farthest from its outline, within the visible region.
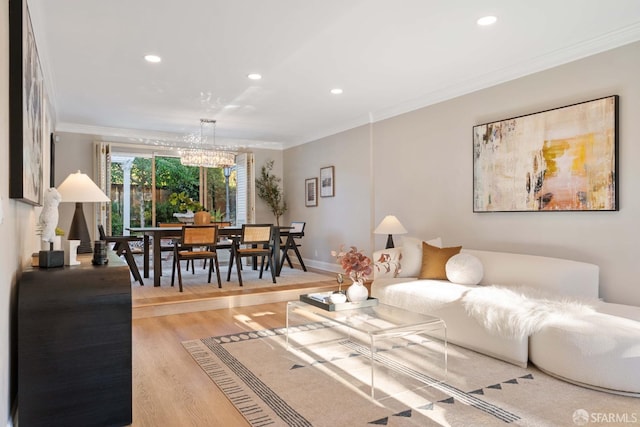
(332, 267)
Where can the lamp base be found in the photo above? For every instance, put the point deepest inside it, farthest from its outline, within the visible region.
(79, 230)
(389, 242)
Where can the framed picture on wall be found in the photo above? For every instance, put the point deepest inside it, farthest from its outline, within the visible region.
(326, 182)
(311, 192)
(26, 109)
(565, 159)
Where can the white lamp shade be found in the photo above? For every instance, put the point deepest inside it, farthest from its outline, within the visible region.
(78, 187)
(390, 225)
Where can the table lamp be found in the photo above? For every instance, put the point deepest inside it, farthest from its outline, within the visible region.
(79, 188)
(389, 225)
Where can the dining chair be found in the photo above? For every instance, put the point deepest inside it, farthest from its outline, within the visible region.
(196, 242)
(255, 241)
(121, 247)
(296, 232)
(201, 218)
(224, 242)
(166, 243)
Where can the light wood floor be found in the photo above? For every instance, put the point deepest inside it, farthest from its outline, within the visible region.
(149, 301)
(169, 388)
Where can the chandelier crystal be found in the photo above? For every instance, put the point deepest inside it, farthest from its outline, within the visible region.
(204, 153)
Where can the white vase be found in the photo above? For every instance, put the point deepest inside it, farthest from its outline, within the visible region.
(357, 292)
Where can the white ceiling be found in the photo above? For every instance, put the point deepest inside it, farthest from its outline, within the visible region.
(389, 57)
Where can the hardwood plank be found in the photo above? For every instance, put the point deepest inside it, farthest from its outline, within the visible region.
(169, 388)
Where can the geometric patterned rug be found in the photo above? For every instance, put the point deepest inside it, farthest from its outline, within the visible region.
(326, 382)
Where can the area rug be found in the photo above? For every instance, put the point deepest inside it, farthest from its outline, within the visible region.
(322, 379)
(197, 282)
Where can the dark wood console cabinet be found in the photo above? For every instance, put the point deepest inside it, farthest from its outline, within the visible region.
(74, 345)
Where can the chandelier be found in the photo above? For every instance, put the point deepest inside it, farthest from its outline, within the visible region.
(202, 152)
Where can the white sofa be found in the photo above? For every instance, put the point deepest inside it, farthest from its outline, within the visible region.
(571, 284)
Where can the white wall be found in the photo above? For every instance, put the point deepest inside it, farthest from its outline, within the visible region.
(9, 261)
(19, 237)
(422, 173)
(345, 218)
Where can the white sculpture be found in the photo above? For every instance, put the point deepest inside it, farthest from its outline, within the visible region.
(49, 215)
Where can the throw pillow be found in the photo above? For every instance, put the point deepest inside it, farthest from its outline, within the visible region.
(434, 260)
(464, 269)
(387, 263)
(412, 255)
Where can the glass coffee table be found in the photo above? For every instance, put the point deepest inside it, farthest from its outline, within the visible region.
(369, 326)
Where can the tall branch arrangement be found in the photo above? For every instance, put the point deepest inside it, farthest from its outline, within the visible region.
(268, 189)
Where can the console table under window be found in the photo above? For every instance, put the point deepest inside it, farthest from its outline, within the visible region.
(74, 345)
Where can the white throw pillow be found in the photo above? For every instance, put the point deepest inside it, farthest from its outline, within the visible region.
(387, 263)
(412, 255)
(464, 269)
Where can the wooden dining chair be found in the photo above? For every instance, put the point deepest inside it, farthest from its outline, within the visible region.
(224, 242)
(255, 241)
(292, 242)
(196, 242)
(121, 247)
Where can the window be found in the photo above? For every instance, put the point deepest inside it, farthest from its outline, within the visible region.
(147, 188)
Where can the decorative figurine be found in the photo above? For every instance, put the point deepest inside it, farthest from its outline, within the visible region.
(48, 220)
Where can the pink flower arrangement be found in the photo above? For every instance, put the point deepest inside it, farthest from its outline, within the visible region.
(354, 263)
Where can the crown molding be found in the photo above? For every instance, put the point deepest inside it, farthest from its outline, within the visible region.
(156, 138)
(549, 60)
(605, 42)
(555, 58)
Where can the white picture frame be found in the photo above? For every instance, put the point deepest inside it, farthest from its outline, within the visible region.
(327, 188)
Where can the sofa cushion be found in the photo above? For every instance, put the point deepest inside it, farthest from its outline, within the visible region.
(442, 299)
(598, 350)
(412, 255)
(434, 260)
(387, 263)
(464, 269)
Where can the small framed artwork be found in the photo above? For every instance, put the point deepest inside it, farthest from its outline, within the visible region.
(311, 192)
(565, 159)
(326, 182)
(26, 109)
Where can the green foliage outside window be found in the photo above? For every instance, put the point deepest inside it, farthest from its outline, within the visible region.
(171, 178)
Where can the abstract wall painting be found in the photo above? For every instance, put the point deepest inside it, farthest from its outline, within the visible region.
(563, 159)
(26, 108)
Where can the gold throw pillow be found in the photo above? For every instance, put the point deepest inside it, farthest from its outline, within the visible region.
(434, 260)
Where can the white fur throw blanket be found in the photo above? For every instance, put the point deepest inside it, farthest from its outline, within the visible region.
(519, 312)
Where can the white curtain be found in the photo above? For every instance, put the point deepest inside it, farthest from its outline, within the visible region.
(103, 180)
(245, 190)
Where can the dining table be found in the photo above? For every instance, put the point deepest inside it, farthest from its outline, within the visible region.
(153, 235)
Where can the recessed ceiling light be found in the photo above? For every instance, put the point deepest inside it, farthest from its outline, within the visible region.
(254, 76)
(152, 58)
(487, 20)
(336, 91)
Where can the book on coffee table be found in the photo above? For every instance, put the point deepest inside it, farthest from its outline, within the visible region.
(321, 300)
